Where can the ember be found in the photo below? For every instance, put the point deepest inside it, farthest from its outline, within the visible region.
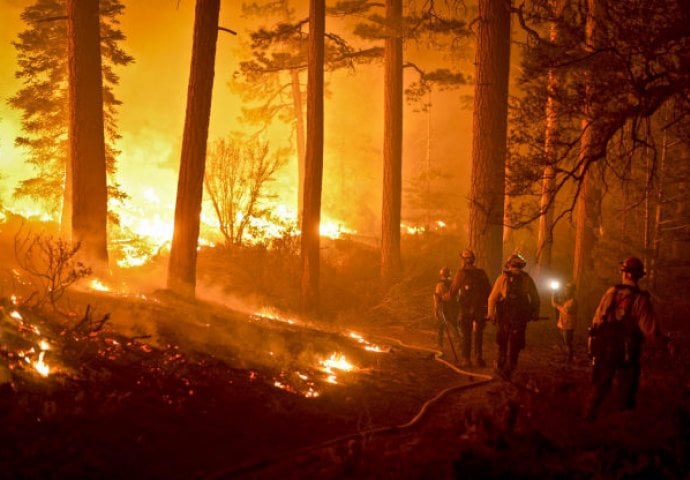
(368, 346)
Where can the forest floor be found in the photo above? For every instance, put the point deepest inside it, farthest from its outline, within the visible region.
(204, 392)
(146, 385)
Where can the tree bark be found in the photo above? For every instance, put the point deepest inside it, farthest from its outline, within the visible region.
(392, 145)
(86, 135)
(548, 193)
(489, 133)
(588, 209)
(183, 251)
(659, 208)
(313, 169)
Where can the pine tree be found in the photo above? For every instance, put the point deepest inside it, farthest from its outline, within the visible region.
(311, 216)
(85, 133)
(392, 144)
(489, 133)
(42, 68)
(183, 253)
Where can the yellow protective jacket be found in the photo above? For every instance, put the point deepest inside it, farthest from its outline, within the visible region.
(567, 313)
(500, 290)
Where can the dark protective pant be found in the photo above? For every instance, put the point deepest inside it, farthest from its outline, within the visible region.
(471, 323)
(622, 363)
(568, 343)
(510, 337)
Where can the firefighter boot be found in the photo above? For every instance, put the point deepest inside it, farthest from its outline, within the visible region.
(478, 340)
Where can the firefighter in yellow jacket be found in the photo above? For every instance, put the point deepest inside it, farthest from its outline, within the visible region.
(566, 304)
(443, 307)
(513, 302)
(471, 288)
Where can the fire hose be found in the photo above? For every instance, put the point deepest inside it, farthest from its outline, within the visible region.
(265, 462)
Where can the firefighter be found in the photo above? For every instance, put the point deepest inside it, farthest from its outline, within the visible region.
(471, 288)
(566, 305)
(443, 306)
(624, 318)
(513, 302)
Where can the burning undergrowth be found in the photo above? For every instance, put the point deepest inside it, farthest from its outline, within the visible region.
(142, 375)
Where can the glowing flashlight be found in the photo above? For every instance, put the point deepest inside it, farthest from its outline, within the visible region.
(555, 285)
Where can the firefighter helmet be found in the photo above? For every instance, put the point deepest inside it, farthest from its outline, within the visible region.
(634, 266)
(516, 261)
(444, 273)
(467, 255)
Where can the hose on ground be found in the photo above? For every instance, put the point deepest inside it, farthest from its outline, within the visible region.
(265, 462)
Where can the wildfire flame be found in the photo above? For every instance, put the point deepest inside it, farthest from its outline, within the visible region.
(272, 314)
(97, 285)
(420, 229)
(338, 362)
(40, 366)
(368, 346)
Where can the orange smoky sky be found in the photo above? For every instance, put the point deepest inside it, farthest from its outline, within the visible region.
(153, 92)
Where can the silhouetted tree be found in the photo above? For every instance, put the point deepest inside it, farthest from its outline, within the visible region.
(270, 82)
(588, 213)
(490, 132)
(392, 143)
(42, 67)
(235, 181)
(183, 251)
(86, 137)
(618, 63)
(272, 78)
(313, 172)
(548, 197)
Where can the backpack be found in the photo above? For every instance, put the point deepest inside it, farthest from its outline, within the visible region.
(618, 337)
(516, 304)
(474, 288)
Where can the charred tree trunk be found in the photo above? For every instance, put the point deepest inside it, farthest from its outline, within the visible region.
(66, 218)
(86, 136)
(548, 193)
(588, 209)
(658, 210)
(313, 168)
(392, 145)
(183, 251)
(489, 133)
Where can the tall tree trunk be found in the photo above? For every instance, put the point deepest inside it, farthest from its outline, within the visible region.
(313, 169)
(548, 194)
(183, 251)
(66, 212)
(588, 209)
(489, 133)
(392, 144)
(658, 212)
(86, 137)
(299, 133)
